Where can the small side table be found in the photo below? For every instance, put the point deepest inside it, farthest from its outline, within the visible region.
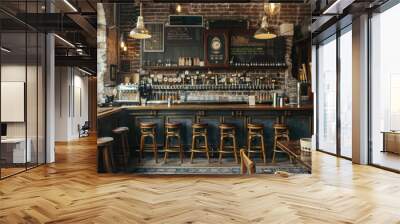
(391, 141)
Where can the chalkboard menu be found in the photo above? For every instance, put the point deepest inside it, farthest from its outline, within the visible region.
(216, 48)
(245, 49)
(183, 35)
(156, 42)
(178, 42)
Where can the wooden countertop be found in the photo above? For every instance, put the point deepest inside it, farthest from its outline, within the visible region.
(107, 111)
(103, 112)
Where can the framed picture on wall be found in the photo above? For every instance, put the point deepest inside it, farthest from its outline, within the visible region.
(156, 42)
(113, 72)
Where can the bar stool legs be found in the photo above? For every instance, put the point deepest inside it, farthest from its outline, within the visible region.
(256, 131)
(227, 132)
(148, 130)
(281, 132)
(122, 134)
(105, 161)
(172, 130)
(199, 131)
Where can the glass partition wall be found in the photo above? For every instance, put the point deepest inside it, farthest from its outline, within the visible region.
(327, 95)
(385, 89)
(334, 94)
(22, 77)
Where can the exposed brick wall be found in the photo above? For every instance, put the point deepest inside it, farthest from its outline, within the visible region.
(253, 12)
(159, 12)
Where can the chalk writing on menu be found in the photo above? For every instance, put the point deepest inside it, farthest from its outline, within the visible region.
(179, 33)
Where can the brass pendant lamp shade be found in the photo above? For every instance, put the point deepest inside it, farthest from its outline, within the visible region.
(265, 32)
(140, 32)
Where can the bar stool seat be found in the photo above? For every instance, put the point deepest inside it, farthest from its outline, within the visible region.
(120, 130)
(199, 132)
(105, 161)
(148, 130)
(147, 125)
(199, 125)
(122, 134)
(104, 141)
(281, 132)
(225, 126)
(172, 130)
(255, 126)
(255, 131)
(173, 125)
(227, 131)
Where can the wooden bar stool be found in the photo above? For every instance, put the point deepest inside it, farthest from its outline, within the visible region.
(105, 161)
(148, 130)
(122, 134)
(199, 131)
(255, 131)
(227, 131)
(173, 130)
(281, 132)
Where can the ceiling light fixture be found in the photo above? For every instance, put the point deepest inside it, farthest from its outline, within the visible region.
(70, 5)
(178, 8)
(337, 7)
(265, 32)
(140, 32)
(84, 71)
(272, 9)
(122, 41)
(65, 41)
(5, 50)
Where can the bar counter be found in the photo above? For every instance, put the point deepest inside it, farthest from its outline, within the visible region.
(104, 112)
(298, 119)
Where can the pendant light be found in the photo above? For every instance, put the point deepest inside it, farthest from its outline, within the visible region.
(140, 32)
(265, 32)
(272, 9)
(122, 41)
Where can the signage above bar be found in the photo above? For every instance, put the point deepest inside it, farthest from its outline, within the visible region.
(224, 1)
(185, 20)
(201, 1)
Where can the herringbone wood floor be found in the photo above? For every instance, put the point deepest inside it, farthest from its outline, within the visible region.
(70, 191)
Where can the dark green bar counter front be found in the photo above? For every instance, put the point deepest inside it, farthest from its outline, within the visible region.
(298, 118)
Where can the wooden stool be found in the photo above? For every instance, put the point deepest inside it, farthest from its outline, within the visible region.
(227, 131)
(122, 134)
(105, 161)
(172, 130)
(148, 130)
(281, 132)
(255, 131)
(199, 130)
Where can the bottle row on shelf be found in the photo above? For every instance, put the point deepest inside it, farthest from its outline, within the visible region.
(210, 96)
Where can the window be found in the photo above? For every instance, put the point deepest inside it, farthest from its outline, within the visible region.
(22, 77)
(346, 93)
(385, 87)
(327, 96)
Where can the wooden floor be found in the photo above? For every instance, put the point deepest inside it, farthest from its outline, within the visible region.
(71, 191)
(386, 159)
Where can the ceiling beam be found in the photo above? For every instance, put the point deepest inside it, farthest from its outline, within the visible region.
(86, 26)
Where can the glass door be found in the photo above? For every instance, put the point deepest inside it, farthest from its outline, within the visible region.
(385, 89)
(326, 99)
(22, 76)
(345, 59)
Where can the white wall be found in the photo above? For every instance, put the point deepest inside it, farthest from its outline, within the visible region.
(33, 126)
(71, 102)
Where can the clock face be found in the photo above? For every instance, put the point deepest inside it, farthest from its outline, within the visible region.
(216, 43)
